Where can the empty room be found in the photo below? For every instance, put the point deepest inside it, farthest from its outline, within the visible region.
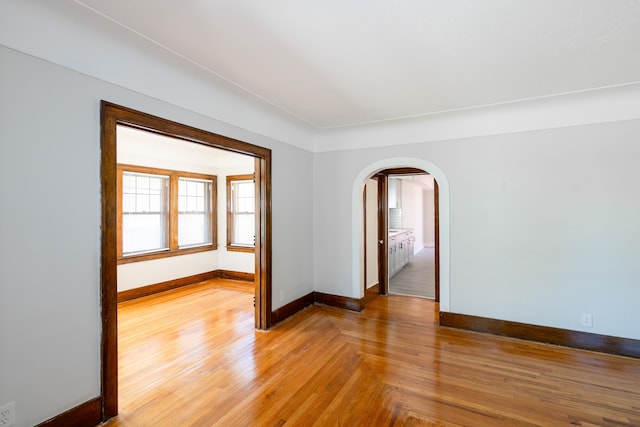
(381, 213)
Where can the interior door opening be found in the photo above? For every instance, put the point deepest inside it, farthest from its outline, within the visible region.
(113, 117)
(407, 239)
(411, 235)
(215, 234)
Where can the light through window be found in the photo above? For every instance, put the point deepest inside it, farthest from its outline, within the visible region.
(144, 212)
(164, 213)
(194, 212)
(241, 212)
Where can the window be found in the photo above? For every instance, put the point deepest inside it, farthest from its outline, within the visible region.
(240, 213)
(194, 212)
(145, 209)
(164, 213)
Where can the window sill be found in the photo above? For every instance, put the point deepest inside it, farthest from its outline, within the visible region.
(165, 254)
(239, 248)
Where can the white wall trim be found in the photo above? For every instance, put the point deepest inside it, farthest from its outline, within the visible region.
(357, 218)
(612, 104)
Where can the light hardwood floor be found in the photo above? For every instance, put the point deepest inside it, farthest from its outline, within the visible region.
(191, 357)
(418, 277)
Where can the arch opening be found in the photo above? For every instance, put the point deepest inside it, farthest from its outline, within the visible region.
(443, 226)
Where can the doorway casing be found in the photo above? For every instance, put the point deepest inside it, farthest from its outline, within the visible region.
(111, 116)
(443, 220)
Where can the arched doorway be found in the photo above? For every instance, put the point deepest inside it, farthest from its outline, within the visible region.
(443, 225)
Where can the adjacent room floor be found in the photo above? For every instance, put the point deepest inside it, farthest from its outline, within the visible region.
(191, 357)
(417, 278)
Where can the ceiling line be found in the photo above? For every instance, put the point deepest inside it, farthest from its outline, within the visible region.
(205, 68)
(474, 107)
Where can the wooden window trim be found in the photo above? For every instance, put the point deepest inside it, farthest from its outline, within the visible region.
(231, 246)
(174, 249)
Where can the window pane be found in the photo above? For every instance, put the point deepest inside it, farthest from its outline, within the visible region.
(191, 188)
(194, 212)
(155, 186)
(144, 206)
(142, 183)
(244, 227)
(129, 203)
(142, 203)
(142, 232)
(128, 183)
(155, 203)
(193, 229)
(245, 189)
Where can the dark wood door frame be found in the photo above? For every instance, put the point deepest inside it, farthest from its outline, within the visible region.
(383, 231)
(111, 116)
(436, 236)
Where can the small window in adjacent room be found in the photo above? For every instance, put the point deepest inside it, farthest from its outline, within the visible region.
(194, 212)
(240, 213)
(164, 213)
(145, 209)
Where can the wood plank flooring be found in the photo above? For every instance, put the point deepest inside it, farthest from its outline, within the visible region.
(191, 357)
(418, 277)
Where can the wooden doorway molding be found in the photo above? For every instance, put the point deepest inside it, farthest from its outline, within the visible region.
(111, 116)
(441, 195)
(383, 222)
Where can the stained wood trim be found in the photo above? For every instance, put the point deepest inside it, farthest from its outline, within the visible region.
(147, 122)
(383, 234)
(86, 414)
(263, 258)
(108, 271)
(371, 293)
(156, 288)
(404, 171)
(348, 303)
(166, 254)
(568, 338)
(436, 238)
(238, 248)
(111, 115)
(292, 308)
(173, 213)
(235, 275)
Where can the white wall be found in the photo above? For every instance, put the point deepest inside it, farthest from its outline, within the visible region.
(50, 246)
(413, 211)
(543, 224)
(428, 209)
